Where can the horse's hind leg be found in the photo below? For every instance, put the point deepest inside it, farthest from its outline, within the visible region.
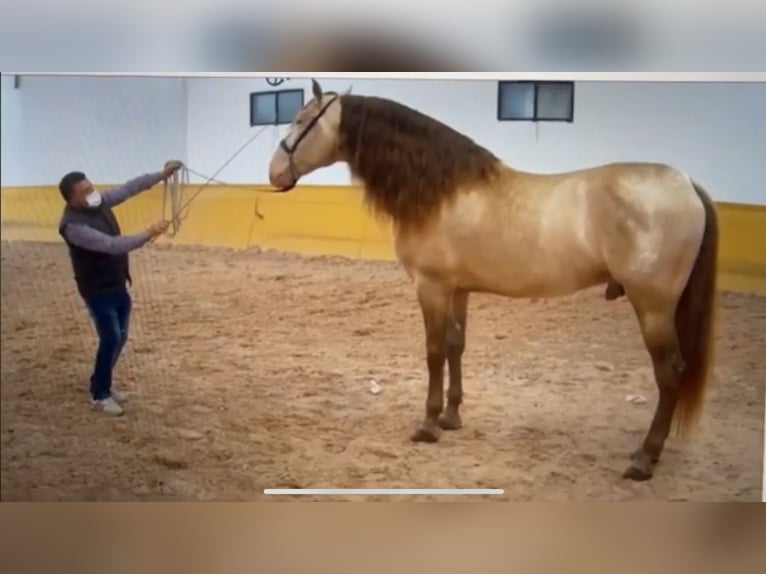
(659, 331)
(450, 419)
(434, 301)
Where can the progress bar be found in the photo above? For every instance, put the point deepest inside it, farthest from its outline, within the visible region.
(393, 491)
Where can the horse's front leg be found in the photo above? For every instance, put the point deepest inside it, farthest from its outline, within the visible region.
(434, 300)
(450, 419)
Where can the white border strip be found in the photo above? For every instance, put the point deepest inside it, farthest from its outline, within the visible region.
(391, 491)
(581, 76)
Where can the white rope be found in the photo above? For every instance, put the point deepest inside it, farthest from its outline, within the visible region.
(173, 190)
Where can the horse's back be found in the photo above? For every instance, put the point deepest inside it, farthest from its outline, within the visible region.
(532, 234)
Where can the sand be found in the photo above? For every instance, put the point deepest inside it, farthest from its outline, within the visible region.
(250, 370)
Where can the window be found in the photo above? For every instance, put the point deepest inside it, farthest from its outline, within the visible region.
(275, 108)
(535, 101)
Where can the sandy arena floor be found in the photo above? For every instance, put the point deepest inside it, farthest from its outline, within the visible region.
(251, 370)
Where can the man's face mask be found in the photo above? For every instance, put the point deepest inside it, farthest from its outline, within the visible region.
(93, 199)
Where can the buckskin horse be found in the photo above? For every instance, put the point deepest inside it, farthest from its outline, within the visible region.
(465, 222)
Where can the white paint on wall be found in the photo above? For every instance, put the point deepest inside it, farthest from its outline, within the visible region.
(11, 128)
(110, 128)
(115, 128)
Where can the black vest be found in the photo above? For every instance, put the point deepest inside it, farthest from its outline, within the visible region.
(95, 272)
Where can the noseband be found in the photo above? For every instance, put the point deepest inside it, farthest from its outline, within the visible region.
(290, 149)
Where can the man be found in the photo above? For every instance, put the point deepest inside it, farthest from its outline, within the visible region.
(99, 257)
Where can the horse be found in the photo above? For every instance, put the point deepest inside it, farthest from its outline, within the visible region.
(464, 221)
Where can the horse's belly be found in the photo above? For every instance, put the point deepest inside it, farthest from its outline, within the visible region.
(513, 278)
(520, 266)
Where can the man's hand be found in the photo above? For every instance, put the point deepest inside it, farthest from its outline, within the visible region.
(158, 228)
(170, 168)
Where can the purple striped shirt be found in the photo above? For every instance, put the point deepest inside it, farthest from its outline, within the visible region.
(94, 240)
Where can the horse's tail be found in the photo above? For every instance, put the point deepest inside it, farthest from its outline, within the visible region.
(695, 322)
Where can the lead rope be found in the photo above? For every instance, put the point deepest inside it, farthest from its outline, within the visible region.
(174, 185)
(173, 189)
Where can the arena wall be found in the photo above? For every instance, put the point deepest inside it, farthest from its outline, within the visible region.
(328, 220)
(116, 128)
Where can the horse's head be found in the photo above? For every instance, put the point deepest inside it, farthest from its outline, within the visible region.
(311, 143)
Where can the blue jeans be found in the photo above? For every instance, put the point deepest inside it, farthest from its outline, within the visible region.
(111, 315)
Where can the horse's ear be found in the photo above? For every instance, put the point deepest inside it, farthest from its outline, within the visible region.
(349, 90)
(316, 89)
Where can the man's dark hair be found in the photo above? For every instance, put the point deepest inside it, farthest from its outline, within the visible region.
(67, 183)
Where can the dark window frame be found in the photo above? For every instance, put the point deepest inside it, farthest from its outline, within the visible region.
(276, 94)
(535, 118)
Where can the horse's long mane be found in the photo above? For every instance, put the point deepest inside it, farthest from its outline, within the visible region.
(409, 162)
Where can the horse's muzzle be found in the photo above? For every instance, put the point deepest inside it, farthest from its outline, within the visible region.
(282, 181)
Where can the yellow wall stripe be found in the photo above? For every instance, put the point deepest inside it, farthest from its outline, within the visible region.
(325, 220)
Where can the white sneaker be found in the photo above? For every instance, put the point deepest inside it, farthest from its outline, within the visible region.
(118, 396)
(107, 406)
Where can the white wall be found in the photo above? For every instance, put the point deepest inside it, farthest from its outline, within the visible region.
(715, 132)
(115, 128)
(110, 128)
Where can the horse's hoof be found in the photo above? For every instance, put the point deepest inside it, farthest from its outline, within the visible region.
(425, 434)
(637, 474)
(641, 468)
(450, 421)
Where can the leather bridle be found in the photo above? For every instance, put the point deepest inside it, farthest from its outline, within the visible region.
(290, 149)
